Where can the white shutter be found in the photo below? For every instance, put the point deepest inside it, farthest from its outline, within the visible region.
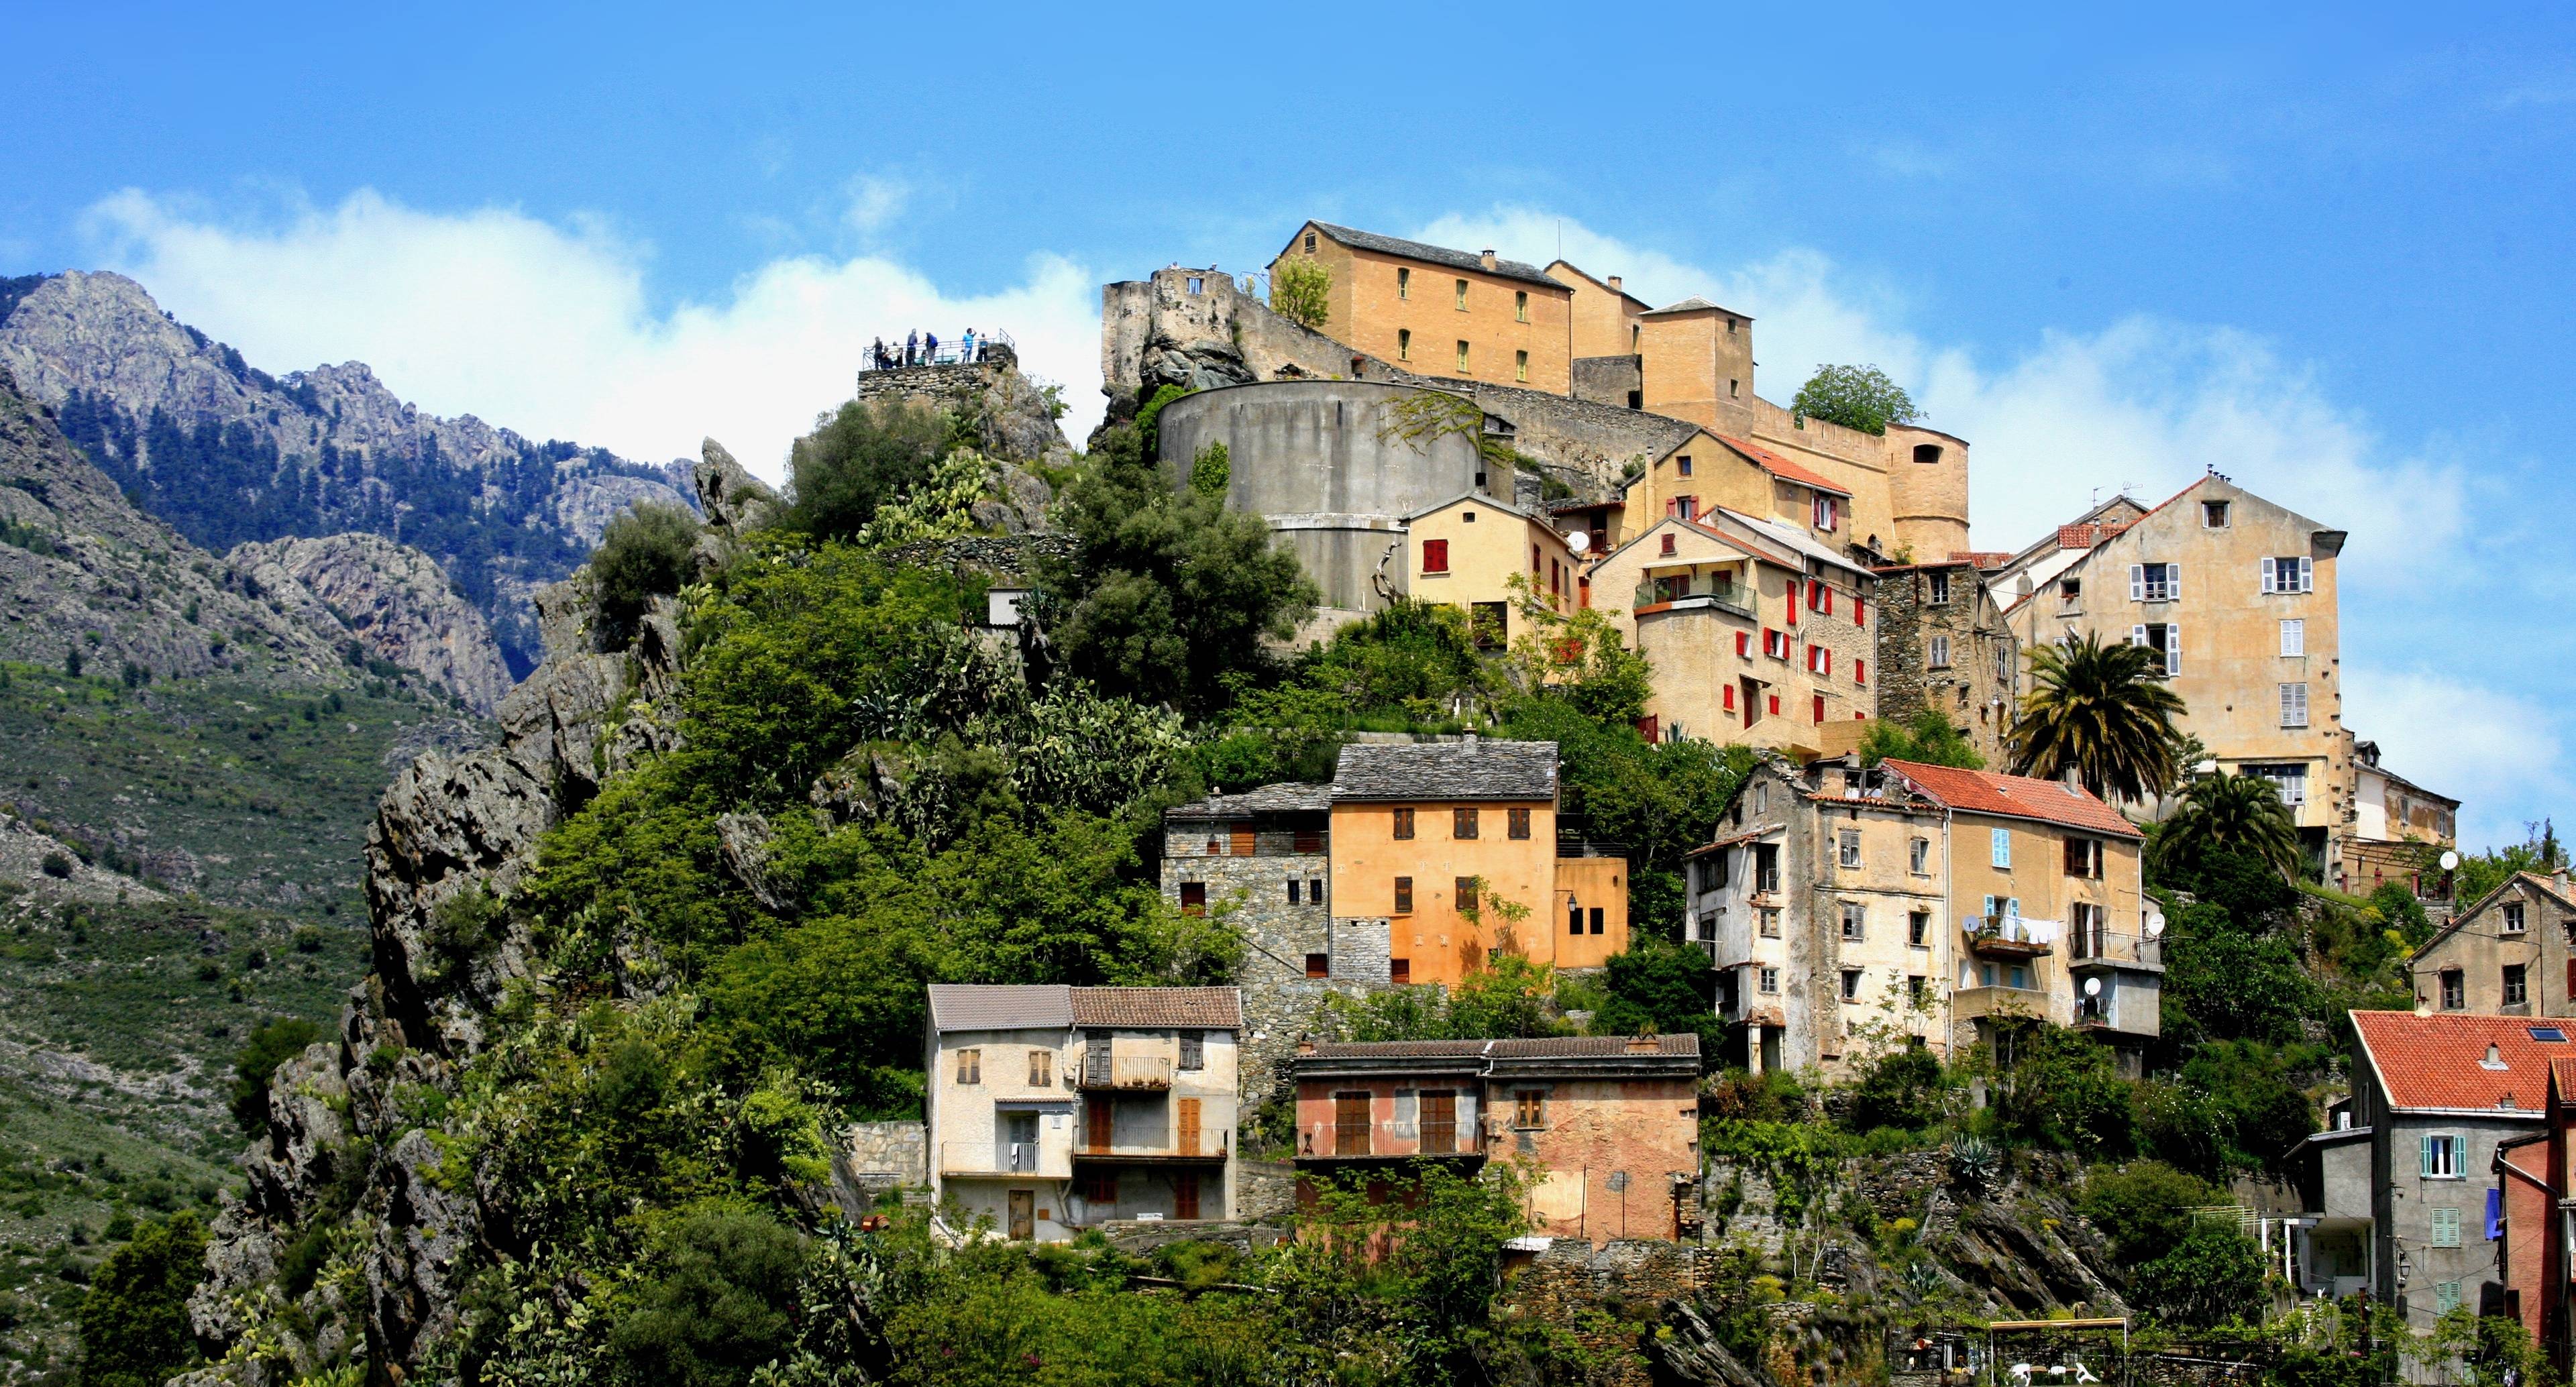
(2137, 635)
(2269, 578)
(2137, 582)
(2307, 575)
(2173, 582)
(2173, 648)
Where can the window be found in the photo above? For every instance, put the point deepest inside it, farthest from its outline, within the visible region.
(1733, 386)
(1918, 928)
(1293, 891)
(2070, 591)
(1828, 512)
(1314, 891)
(1775, 644)
(1404, 344)
(1463, 890)
(1310, 243)
(1918, 857)
(2084, 858)
(2213, 515)
(1399, 970)
(1194, 898)
(2289, 575)
(2446, 1231)
(1573, 918)
(1820, 707)
(1520, 365)
(1529, 1107)
(1820, 598)
(2164, 638)
(1769, 922)
(1435, 556)
(2454, 990)
(1860, 671)
(2155, 582)
(1682, 465)
(1815, 659)
(2446, 1294)
(1462, 296)
(2000, 842)
(2294, 637)
(1319, 965)
(2294, 705)
(1403, 282)
(1403, 823)
(2289, 780)
(1100, 1187)
(1404, 895)
(1668, 543)
(1940, 652)
(2513, 917)
(1847, 843)
(1855, 921)
(970, 1066)
(1462, 823)
(1518, 821)
(1462, 356)
(1851, 984)
(1940, 584)
(1520, 312)
(1597, 919)
(1041, 1069)
(2514, 993)
(1769, 979)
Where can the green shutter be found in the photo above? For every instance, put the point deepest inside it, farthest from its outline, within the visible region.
(2425, 1146)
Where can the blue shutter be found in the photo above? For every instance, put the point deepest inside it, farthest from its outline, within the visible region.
(2002, 845)
(2495, 1214)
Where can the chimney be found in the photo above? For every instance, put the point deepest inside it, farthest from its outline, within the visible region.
(1305, 1045)
(1643, 1045)
(1488, 258)
(2558, 881)
(1614, 284)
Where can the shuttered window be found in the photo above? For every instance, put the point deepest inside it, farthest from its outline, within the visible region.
(2294, 705)
(1435, 556)
(2001, 846)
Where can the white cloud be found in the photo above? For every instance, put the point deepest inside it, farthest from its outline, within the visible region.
(549, 329)
(875, 200)
(2495, 752)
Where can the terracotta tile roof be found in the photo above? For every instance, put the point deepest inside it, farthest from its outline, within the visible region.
(2439, 1062)
(1982, 558)
(1781, 467)
(2014, 797)
(1209, 1008)
(1540, 1048)
(1478, 769)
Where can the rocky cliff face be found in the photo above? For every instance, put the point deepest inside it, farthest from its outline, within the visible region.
(394, 599)
(228, 453)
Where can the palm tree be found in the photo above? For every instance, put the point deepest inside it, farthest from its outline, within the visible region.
(2231, 813)
(2101, 711)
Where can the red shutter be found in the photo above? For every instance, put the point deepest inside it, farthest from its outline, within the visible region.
(1648, 726)
(1744, 645)
(1860, 671)
(1435, 556)
(1729, 704)
(1860, 610)
(1820, 707)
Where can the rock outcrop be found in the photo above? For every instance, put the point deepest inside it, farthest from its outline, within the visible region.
(394, 599)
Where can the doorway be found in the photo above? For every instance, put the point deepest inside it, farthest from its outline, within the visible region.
(1024, 1215)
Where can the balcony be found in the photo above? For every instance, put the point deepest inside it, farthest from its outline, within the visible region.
(1025, 1160)
(1125, 1074)
(1971, 1003)
(1727, 603)
(1389, 1140)
(2009, 936)
(1199, 1148)
(2089, 949)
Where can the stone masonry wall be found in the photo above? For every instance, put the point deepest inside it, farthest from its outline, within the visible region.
(1628, 1280)
(1979, 688)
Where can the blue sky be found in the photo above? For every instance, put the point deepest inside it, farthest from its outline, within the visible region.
(2324, 251)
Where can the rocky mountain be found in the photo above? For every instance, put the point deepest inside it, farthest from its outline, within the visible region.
(229, 454)
(393, 598)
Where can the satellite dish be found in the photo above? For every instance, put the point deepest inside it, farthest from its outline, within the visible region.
(1579, 541)
(2155, 924)
(2450, 861)
(2092, 987)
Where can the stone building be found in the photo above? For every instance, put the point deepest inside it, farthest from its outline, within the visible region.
(1440, 312)
(2512, 953)
(2238, 595)
(1943, 644)
(1612, 1122)
(1851, 908)
(1050, 1109)
(2399, 829)
(1757, 633)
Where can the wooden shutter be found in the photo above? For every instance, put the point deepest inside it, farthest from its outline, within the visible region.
(1240, 841)
(1186, 1137)
(1096, 1115)
(1350, 1124)
(2424, 1146)
(2307, 575)
(1185, 1194)
(1439, 1124)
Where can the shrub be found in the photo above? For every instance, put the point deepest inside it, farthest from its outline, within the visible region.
(134, 1321)
(2210, 1277)
(719, 1303)
(58, 866)
(1301, 291)
(857, 459)
(1929, 737)
(1212, 471)
(1856, 397)
(1903, 1089)
(269, 1046)
(646, 553)
(2143, 1209)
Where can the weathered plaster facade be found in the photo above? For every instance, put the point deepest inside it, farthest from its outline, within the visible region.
(2512, 953)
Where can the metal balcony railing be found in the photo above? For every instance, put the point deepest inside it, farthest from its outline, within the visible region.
(1000, 1158)
(2103, 946)
(2010, 936)
(1125, 1073)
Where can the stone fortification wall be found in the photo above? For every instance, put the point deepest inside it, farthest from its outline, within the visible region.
(1608, 380)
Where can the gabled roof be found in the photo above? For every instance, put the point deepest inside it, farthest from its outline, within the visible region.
(2546, 886)
(2014, 797)
(2439, 1063)
(1622, 291)
(1478, 768)
(1000, 1006)
(1206, 1008)
(1693, 304)
(1783, 468)
(1773, 529)
(1285, 797)
(1484, 498)
(1437, 255)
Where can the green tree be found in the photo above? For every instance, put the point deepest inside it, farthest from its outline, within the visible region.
(2061, 1091)
(1660, 986)
(1857, 397)
(2214, 1274)
(270, 1045)
(2219, 814)
(1905, 1088)
(2230, 981)
(1166, 593)
(134, 1321)
(719, 1302)
(1301, 291)
(2144, 1209)
(1581, 658)
(647, 552)
(1929, 737)
(2480, 873)
(2101, 711)
(1212, 471)
(859, 457)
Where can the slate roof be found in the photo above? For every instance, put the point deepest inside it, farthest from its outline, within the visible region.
(1693, 304)
(1000, 1007)
(1208, 1008)
(1030, 1007)
(2546, 886)
(1781, 534)
(1437, 255)
(1542, 1047)
(2015, 797)
(1475, 769)
(1783, 468)
(2438, 1063)
(1286, 797)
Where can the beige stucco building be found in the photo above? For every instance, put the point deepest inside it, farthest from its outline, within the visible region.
(2511, 954)
(2238, 594)
(1757, 634)
(1050, 1109)
(1439, 312)
(1465, 552)
(2398, 832)
(1850, 910)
